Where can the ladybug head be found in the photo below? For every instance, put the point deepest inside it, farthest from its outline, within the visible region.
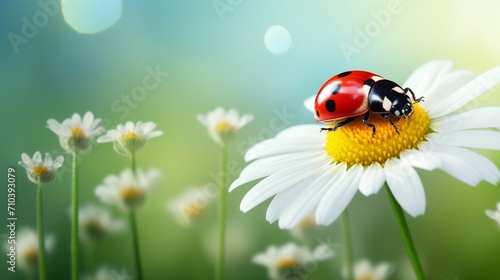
(402, 107)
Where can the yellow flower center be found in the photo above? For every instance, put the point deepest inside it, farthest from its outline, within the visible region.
(129, 136)
(287, 263)
(31, 253)
(193, 210)
(131, 193)
(366, 277)
(307, 222)
(354, 144)
(40, 170)
(224, 126)
(77, 132)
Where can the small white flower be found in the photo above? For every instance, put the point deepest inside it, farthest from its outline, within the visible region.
(308, 171)
(27, 248)
(222, 126)
(76, 134)
(281, 262)
(364, 270)
(130, 138)
(190, 205)
(96, 222)
(494, 215)
(126, 190)
(41, 171)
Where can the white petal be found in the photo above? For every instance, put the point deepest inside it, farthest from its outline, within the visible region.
(148, 127)
(58, 162)
(468, 138)
(269, 165)
(244, 120)
(37, 158)
(202, 119)
(26, 159)
(310, 198)
(445, 86)
(372, 179)
(309, 103)
(422, 158)
(295, 139)
(406, 186)
(478, 118)
(275, 183)
(284, 199)
(76, 119)
(48, 160)
(424, 77)
(271, 148)
(467, 166)
(54, 126)
(338, 196)
(130, 126)
(467, 93)
(87, 121)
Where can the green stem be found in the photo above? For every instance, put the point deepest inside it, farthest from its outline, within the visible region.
(133, 228)
(135, 244)
(133, 165)
(41, 240)
(346, 233)
(74, 220)
(222, 214)
(405, 233)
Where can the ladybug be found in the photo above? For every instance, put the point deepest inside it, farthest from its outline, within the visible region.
(350, 94)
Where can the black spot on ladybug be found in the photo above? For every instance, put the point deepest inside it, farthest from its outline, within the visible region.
(330, 106)
(336, 88)
(369, 82)
(343, 74)
(317, 113)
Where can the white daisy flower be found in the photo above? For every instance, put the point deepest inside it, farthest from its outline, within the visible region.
(41, 171)
(126, 190)
(222, 126)
(96, 222)
(76, 134)
(364, 270)
(306, 170)
(27, 248)
(131, 137)
(190, 205)
(286, 261)
(494, 215)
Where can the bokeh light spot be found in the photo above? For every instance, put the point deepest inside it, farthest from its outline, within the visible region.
(277, 39)
(91, 16)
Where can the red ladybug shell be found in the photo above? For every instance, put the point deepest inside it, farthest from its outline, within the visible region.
(343, 96)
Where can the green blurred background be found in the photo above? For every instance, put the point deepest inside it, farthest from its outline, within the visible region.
(218, 58)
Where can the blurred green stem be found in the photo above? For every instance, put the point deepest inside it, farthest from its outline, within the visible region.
(346, 233)
(41, 240)
(133, 166)
(222, 214)
(74, 220)
(405, 233)
(133, 228)
(135, 244)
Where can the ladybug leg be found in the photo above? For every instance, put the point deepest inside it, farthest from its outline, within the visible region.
(339, 124)
(386, 116)
(417, 100)
(365, 121)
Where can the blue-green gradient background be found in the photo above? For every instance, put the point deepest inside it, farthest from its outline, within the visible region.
(213, 61)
